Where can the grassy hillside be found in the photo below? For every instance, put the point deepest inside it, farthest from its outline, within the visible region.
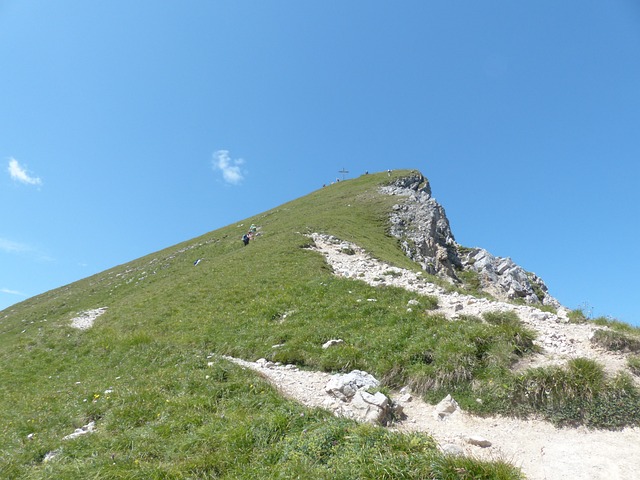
(165, 406)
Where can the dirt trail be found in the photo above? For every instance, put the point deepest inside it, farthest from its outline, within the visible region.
(542, 451)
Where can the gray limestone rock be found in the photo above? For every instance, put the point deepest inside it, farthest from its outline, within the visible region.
(446, 407)
(372, 408)
(344, 387)
(422, 228)
(421, 225)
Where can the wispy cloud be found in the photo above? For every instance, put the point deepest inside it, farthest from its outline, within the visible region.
(13, 247)
(16, 248)
(232, 172)
(19, 173)
(12, 292)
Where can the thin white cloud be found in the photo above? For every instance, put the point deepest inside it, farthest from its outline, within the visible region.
(232, 172)
(12, 292)
(20, 174)
(22, 249)
(13, 247)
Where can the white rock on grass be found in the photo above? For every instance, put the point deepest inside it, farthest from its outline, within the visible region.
(85, 320)
(88, 428)
(332, 342)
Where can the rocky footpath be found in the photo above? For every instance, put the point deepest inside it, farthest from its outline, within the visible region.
(542, 451)
(558, 339)
(346, 395)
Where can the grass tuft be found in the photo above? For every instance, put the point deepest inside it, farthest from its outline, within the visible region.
(634, 364)
(578, 394)
(616, 341)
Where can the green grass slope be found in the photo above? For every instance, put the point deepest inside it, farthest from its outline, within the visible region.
(164, 407)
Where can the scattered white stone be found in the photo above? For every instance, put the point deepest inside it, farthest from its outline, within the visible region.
(88, 428)
(332, 342)
(50, 456)
(372, 408)
(264, 363)
(345, 386)
(85, 320)
(405, 398)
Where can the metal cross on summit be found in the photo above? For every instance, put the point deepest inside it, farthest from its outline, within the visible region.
(343, 172)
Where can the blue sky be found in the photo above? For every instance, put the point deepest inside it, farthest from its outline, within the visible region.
(127, 127)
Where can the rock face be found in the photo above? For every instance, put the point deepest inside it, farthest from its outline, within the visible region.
(503, 279)
(421, 225)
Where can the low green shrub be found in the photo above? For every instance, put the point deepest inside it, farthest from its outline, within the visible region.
(617, 325)
(470, 280)
(634, 364)
(578, 394)
(509, 325)
(616, 341)
(508, 317)
(577, 316)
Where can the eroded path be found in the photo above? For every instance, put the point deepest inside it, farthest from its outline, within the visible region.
(542, 451)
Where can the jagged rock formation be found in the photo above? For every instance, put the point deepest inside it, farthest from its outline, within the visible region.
(423, 228)
(504, 279)
(421, 225)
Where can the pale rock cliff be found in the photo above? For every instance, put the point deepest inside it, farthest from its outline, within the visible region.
(421, 225)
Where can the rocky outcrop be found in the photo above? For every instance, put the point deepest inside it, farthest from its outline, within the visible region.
(421, 225)
(504, 279)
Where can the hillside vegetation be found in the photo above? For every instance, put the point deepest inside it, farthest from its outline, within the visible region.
(164, 405)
